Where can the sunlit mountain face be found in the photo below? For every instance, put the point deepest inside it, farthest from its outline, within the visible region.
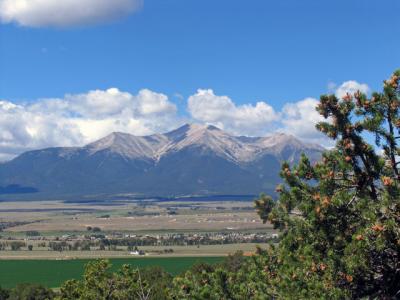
(191, 160)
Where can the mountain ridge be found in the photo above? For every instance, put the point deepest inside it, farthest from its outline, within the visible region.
(192, 159)
(156, 145)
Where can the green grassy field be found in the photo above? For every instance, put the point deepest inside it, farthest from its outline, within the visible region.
(52, 273)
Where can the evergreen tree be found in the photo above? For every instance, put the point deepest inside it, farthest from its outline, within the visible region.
(100, 284)
(28, 291)
(341, 217)
(4, 294)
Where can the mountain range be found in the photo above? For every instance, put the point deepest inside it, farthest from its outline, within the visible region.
(191, 160)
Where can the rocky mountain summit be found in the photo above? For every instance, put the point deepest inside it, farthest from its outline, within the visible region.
(193, 159)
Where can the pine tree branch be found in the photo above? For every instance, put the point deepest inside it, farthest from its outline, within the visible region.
(352, 200)
(391, 142)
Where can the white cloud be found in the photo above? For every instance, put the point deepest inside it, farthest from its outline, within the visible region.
(153, 103)
(79, 119)
(22, 129)
(300, 118)
(221, 111)
(64, 13)
(351, 87)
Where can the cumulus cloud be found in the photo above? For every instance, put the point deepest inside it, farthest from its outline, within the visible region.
(65, 13)
(221, 111)
(351, 87)
(300, 118)
(78, 119)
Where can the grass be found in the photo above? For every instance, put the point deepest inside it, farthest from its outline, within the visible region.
(52, 273)
(122, 252)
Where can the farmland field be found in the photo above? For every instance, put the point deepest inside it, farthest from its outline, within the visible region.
(52, 273)
(49, 217)
(68, 222)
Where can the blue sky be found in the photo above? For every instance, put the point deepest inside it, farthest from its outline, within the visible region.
(277, 52)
